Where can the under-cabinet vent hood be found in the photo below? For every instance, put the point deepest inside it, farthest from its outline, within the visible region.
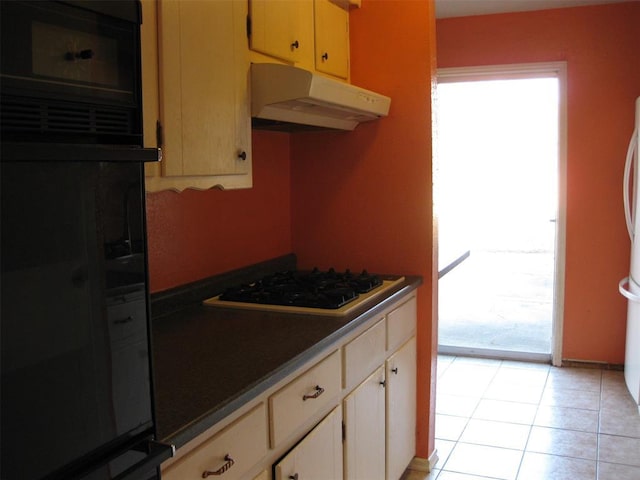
(292, 95)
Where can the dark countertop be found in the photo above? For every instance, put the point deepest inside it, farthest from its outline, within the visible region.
(209, 361)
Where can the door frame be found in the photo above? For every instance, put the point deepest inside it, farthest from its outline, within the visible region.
(536, 70)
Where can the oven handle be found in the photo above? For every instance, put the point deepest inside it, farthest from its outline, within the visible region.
(158, 452)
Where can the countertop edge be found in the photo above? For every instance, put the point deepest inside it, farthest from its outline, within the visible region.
(222, 410)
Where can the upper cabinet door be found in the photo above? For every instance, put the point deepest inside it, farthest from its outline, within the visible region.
(332, 38)
(282, 29)
(204, 95)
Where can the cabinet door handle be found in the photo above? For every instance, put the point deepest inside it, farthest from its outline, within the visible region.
(295, 45)
(293, 477)
(395, 370)
(325, 56)
(242, 155)
(318, 391)
(229, 463)
(383, 383)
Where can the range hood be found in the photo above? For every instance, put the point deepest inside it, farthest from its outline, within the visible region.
(289, 94)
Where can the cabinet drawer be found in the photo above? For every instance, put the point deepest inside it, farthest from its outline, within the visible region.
(401, 324)
(305, 396)
(364, 354)
(127, 316)
(238, 448)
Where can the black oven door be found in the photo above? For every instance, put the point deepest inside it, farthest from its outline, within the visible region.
(76, 389)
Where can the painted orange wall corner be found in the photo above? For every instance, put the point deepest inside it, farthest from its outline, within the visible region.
(363, 199)
(600, 46)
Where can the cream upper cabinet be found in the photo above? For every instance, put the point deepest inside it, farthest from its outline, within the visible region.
(311, 34)
(331, 38)
(318, 455)
(204, 106)
(401, 409)
(283, 29)
(364, 419)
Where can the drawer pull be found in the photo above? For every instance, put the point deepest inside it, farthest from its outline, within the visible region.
(222, 469)
(318, 391)
(123, 320)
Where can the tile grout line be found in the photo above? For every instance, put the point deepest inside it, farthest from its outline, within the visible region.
(470, 415)
(598, 426)
(535, 416)
(603, 393)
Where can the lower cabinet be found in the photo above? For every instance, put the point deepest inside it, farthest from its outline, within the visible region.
(401, 409)
(231, 452)
(304, 398)
(364, 420)
(361, 397)
(318, 456)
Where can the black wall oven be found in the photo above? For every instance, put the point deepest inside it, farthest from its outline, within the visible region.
(77, 395)
(76, 387)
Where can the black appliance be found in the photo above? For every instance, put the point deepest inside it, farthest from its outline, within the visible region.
(315, 289)
(70, 76)
(76, 396)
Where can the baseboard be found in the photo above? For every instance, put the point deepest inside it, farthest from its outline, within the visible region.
(567, 362)
(494, 354)
(425, 465)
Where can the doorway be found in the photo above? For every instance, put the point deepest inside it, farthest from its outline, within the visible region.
(499, 199)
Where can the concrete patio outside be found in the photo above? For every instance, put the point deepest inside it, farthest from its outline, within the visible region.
(498, 300)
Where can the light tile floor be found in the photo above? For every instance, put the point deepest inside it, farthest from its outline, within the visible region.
(504, 420)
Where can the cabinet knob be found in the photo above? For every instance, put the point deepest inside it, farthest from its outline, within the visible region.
(395, 370)
(293, 477)
(229, 463)
(295, 45)
(325, 56)
(242, 155)
(86, 54)
(383, 383)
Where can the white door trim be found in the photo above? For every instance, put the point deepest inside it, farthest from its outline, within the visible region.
(537, 70)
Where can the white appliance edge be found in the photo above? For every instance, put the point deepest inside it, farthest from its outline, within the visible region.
(630, 286)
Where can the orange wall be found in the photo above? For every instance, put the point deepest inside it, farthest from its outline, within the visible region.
(364, 199)
(601, 47)
(197, 234)
(347, 200)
